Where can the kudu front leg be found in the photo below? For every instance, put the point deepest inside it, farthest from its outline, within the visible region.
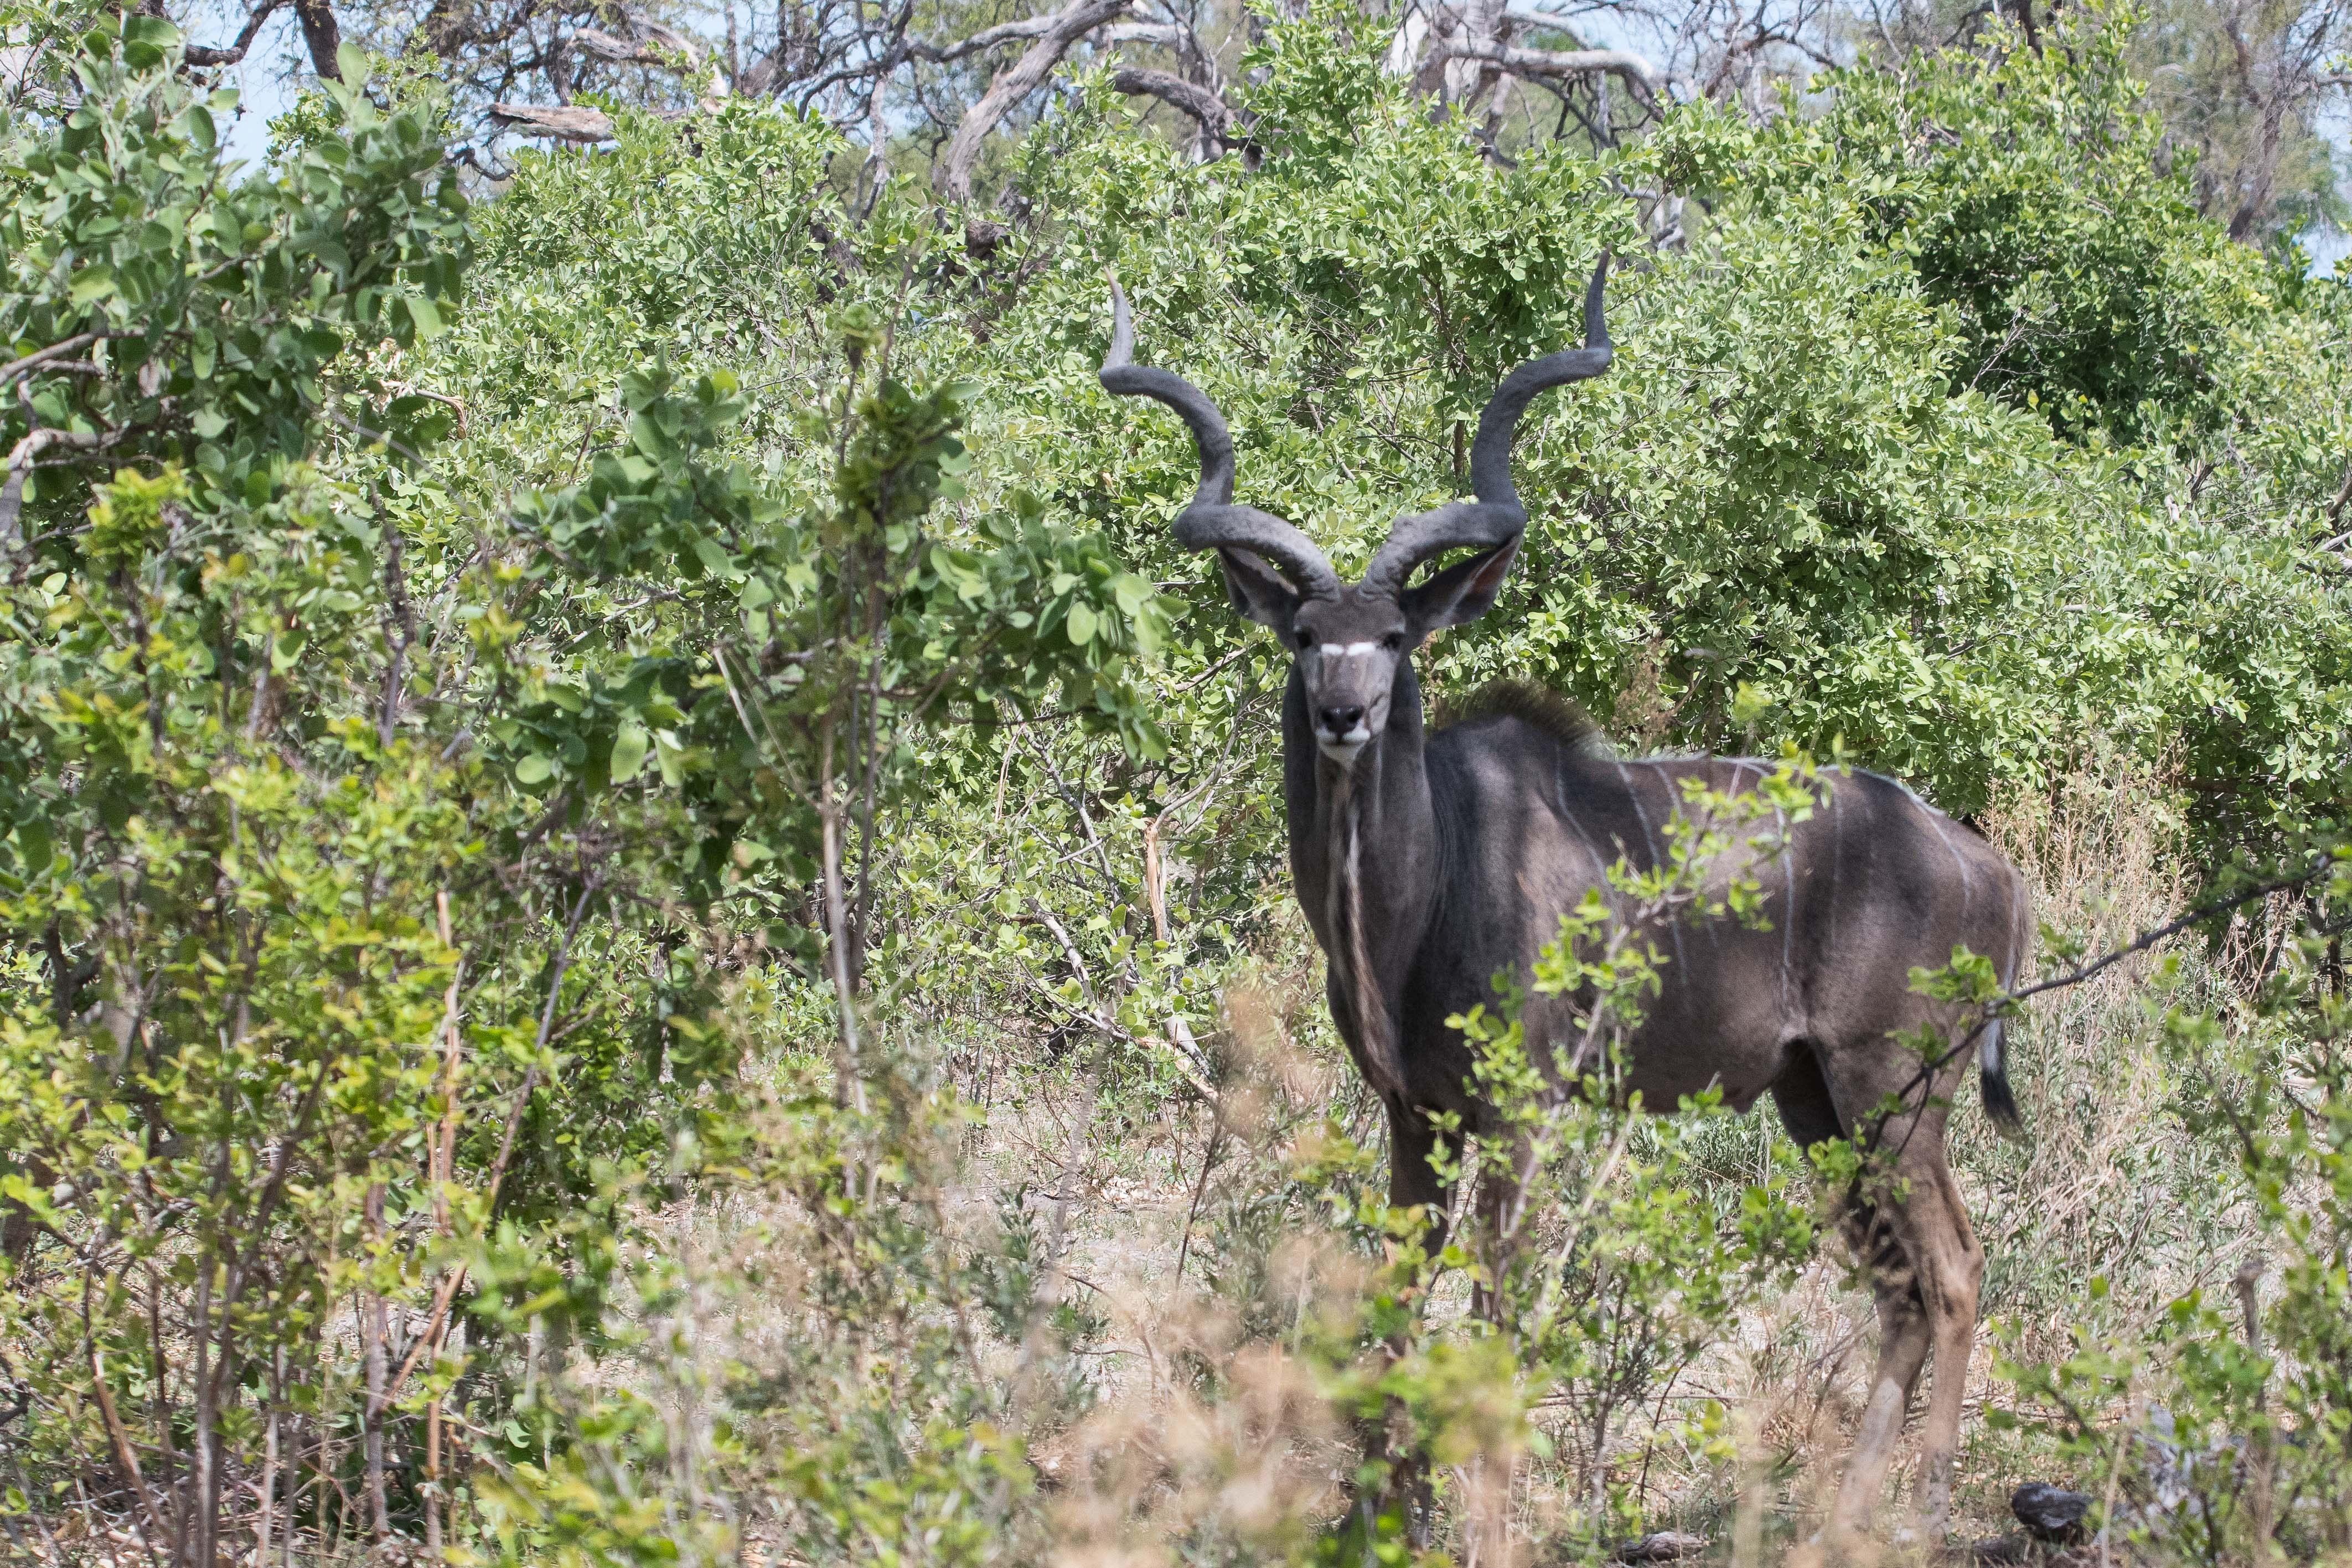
(1413, 1180)
(1387, 1439)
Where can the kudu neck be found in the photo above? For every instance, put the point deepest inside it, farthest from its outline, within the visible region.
(1382, 796)
(1364, 853)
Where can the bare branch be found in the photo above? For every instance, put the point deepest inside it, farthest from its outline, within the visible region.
(1634, 70)
(660, 46)
(604, 46)
(663, 37)
(2149, 938)
(1215, 117)
(1544, 20)
(1166, 34)
(1026, 76)
(10, 371)
(986, 38)
(560, 124)
(200, 56)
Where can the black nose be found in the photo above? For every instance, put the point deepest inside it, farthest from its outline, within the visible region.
(1340, 721)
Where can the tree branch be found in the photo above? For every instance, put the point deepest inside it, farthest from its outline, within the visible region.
(200, 56)
(1026, 76)
(986, 38)
(21, 461)
(660, 46)
(15, 369)
(560, 124)
(1635, 70)
(324, 36)
(2147, 939)
(1213, 114)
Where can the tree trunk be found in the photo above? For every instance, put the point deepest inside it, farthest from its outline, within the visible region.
(377, 1330)
(267, 1513)
(849, 1086)
(200, 1516)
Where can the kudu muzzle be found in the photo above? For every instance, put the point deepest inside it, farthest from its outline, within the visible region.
(1348, 638)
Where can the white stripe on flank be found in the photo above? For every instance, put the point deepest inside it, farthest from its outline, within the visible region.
(1934, 821)
(1837, 862)
(1788, 915)
(1656, 859)
(1560, 792)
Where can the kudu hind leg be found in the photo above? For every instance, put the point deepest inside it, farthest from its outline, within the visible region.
(1950, 1262)
(1499, 1214)
(1906, 1333)
(1802, 1096)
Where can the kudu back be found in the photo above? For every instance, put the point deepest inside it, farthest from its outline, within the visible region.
(1428, 863)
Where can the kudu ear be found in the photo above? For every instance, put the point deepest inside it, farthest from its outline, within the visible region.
(1461, 592)
(1257, 591)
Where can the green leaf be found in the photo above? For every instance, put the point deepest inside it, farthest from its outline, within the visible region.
(647, 434)
(714, 558)
(628, 752)
(534, 769)
(1081, 625)
(146, 40)
(95, 281)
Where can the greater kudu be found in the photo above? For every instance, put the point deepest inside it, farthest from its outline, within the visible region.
(1429, 862)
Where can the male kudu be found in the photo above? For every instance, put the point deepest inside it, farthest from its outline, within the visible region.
(1429, 862)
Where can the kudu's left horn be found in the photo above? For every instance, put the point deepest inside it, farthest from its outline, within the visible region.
(1496, 517)
(1212, 521)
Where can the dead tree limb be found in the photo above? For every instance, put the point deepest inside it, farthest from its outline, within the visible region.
(565, 123)
(1212, 114)
(198, 55)
(1024, 76)
(1633, 69)
(654, 46)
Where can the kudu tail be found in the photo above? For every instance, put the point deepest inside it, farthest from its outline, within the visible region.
(1992, 1062)
(1993, 1076)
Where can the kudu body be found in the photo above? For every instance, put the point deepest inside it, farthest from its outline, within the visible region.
(1429, 862)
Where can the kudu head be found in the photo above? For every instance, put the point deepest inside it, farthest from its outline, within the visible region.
(1348, 639)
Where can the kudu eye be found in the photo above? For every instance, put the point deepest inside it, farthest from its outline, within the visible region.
(1393, 641)
(1305, 638)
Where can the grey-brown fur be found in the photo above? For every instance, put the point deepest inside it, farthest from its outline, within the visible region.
(1427, 861)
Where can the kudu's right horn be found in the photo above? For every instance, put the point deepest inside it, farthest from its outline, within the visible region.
(1496, 517)
(1212, 521)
